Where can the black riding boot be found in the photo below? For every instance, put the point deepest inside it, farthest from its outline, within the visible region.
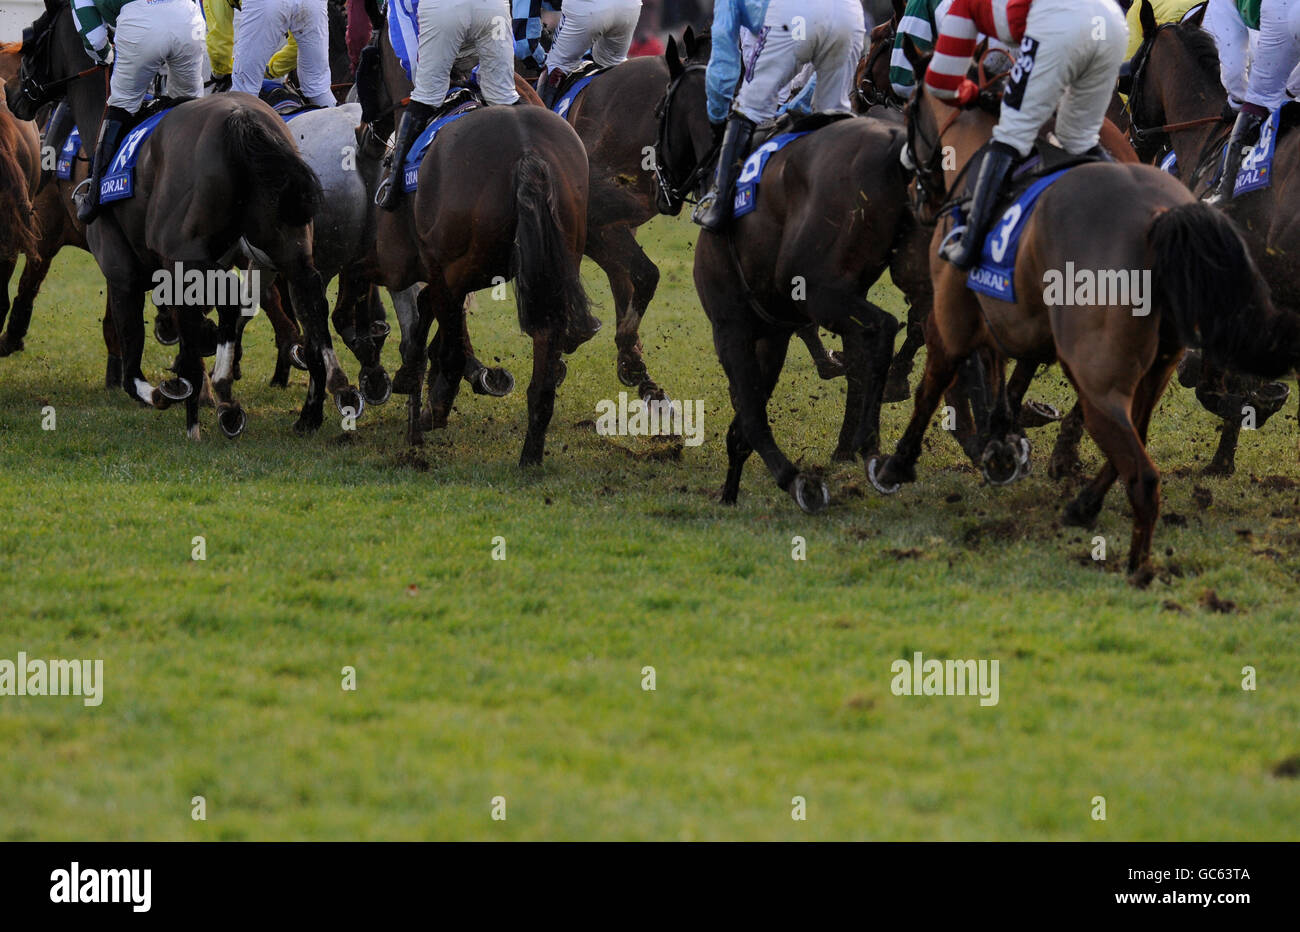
(962, 250)
(414, 120)
(1245, 133)
(714, 210)
(110, 137)
(548, 86)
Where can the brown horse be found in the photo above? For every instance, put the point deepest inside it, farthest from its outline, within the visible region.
(1177, 98)
(20, 172)
(522, 215)
(832, 212)
(220, 177)
(1114, 219)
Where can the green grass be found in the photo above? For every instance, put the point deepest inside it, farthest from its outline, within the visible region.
(522, 678)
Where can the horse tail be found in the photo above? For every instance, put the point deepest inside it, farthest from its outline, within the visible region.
(1205, 281)
(276, 170)
(19, 227)
(547, 285)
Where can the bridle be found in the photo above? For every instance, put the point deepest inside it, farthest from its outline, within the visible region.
(677, 193)
(1155, 135)
(878, 97)
(34, 87)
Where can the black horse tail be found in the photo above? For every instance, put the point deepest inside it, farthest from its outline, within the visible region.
(1205, 281)
(547, 285)
(273, 166)
(19, 227)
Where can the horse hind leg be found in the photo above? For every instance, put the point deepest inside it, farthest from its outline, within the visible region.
(633, 281)
(189, 364)
(770, 353)
(900, 369)
(230, 414)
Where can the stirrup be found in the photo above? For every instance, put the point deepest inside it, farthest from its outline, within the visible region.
(381, 195)
(81, 192)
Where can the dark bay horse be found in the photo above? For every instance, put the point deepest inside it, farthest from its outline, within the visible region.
(1177, 97)
(219, 177)
(1111, 218)
(502, 195)
(832, 212)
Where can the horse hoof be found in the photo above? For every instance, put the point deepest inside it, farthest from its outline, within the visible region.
(831, 366)
(232, 420)
(349, 402)
(194, 433)
(165, 332)
(306, 424)
(298, 357)
(810, 494)
(9, 347)
(1023, 450)
(379, 330)
(177, 389)
(496, 382)
(113, 372)
(561, 372)
(1268, 400)
(376, 386)
(626, 377)
(1038, 414)
(875, 466)
(1000, 463)
(1219, 470)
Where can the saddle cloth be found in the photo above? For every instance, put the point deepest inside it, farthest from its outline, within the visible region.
(68, 154)
(574, 85)
(119, 177)
(415, 158)
(994, 274)
(752, 172)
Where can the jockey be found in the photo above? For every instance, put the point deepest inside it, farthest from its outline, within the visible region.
(604, 26)
(791, 33)
(451, 29)
(148, 36)
(259, 31)
(220, 17)
(1276, 55)
(527, 15)
(920, 23)
(1070, 54)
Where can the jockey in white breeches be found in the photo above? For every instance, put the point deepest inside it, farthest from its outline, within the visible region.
(1272, 67)
(260, 27)
(148, 38)
(828, 34)
(606, 27)
(450, 30)
(1070, 52)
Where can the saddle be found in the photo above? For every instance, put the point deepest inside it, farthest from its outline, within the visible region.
(587, 69)
(284, 99)
(793, 123)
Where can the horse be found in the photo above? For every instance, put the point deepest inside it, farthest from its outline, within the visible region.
(832, 212)
(524, 217)
(1177, 98)
(20, 171)
(220, 176)
(1098, 216)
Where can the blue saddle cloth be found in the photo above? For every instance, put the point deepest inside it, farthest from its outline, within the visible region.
(563, 105)
(1256, 171)
(68, 155)
(119, 178)
(752, 173)
(411, 169)
(995, 274)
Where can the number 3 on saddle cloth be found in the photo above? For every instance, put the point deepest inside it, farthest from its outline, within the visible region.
(994, 274)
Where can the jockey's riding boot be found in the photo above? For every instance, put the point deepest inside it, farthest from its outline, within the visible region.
(110, 136)
(413, 123)
(1245, 132)
(548, 86)
(962, 250)
(715, 208)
